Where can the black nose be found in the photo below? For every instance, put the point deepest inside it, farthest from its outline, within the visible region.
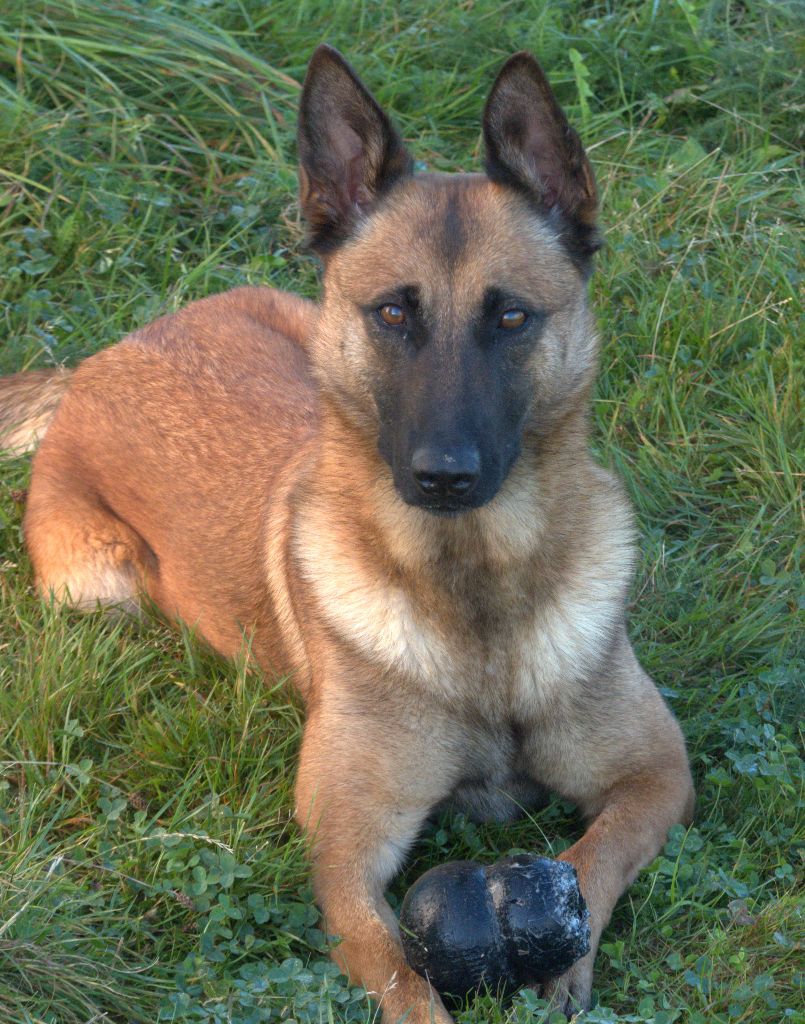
(446, 473)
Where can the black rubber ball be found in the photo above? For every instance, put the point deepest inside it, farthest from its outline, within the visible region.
(517, 922)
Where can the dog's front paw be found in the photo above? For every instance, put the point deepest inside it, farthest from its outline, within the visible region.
(415, 1003)
(432, 1013)
(571, 992)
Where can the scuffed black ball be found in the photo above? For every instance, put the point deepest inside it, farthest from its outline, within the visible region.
(514, 923)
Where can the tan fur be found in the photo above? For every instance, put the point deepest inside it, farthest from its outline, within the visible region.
(28, 402)
(223, 461)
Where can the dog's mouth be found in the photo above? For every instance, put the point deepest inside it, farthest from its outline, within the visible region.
(446, 494)
(445, 511)
(445, 508)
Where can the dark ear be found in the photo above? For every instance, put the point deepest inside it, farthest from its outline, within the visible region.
(349, 152)
(531, 146)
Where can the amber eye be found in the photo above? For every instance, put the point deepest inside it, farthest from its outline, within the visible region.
(512, 319)
(391, 315)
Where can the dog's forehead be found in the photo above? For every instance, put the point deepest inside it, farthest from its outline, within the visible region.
(457, 233)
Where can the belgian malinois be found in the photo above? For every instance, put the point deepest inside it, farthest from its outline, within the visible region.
(390, 494)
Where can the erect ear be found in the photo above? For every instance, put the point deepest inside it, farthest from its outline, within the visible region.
(349, 151)
(531, 146)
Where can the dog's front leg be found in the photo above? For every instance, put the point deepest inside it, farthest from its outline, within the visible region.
(626, 833)
(626, 767)
(363, 792)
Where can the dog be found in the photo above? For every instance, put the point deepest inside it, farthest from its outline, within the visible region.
(388, 493)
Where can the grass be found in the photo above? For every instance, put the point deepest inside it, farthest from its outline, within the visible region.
(149, 869)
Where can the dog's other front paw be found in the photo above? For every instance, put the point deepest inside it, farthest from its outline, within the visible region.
(418, 1014)
(415, 1003)
(571, 992)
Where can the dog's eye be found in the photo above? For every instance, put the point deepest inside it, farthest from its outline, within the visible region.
(391, 314)
(512, 319)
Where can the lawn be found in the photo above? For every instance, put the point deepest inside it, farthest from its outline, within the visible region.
(149, 867)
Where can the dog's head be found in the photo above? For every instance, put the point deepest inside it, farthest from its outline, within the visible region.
(455, 326)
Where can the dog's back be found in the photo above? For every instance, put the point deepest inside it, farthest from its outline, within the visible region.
(174, 435)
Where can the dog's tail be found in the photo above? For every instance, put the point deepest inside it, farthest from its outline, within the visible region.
(28, 402)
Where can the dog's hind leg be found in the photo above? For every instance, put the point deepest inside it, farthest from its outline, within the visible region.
(83, 554)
